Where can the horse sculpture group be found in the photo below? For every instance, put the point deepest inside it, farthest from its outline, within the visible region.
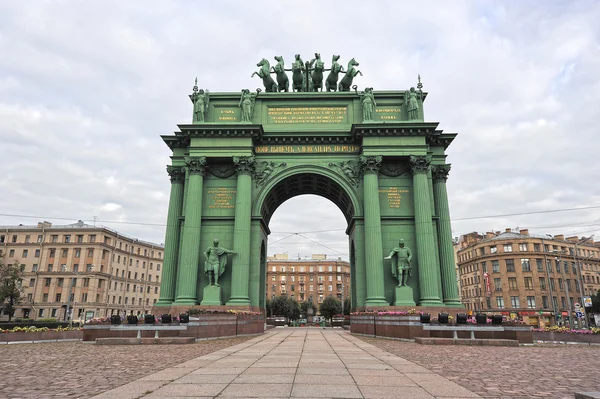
(306, 76)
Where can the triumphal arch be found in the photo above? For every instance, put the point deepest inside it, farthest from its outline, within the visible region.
(368, 151)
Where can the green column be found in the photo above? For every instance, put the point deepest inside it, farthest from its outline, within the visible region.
(429, 275)
(359, 263)
(373, 245)
(169, 271)
(240, 269)
(188, 272)
(440, 196)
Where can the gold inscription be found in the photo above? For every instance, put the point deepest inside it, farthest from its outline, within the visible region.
(221, 198)
(227, 115)
(394, 196)
(307, 115)
(304, 149)
(388, 114)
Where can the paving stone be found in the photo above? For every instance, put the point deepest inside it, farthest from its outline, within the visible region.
(257, 390)
(382, 392)
(325, 391)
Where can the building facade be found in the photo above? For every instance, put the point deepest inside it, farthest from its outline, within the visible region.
(537, 278)
(309, 279)
(77, 270)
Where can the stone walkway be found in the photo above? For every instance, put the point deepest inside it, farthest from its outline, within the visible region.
(297, 363)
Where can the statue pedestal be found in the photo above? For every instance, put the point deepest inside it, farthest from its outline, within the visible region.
(211, 296)
(404, 296)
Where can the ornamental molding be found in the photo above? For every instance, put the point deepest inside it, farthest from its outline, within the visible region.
(221, 170)
(440, 172)
(419, 163)
(394, 169)
(263, 173)
(370, 164)
(244, 165)
(351, 169)
(196, 165)
(176, 173)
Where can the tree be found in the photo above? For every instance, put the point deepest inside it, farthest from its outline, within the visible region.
(10, 286)
(268, 308)
(331, 306)
(347, 306)
(596, 302)
(304, 306)
(284, 306)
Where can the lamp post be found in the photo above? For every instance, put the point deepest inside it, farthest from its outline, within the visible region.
(554, 305)
(68, 308)
(558, 259)
(578, 269)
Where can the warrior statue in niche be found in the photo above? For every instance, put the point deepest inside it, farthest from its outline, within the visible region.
(401, 267)
(216, 260)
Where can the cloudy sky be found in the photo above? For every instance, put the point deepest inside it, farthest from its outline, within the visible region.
(86, 88)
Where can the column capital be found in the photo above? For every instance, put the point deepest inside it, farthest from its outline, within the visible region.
(419, 163)
(176, 173)
(370, 164)
(196, 165)
(440, 172)
(244, 165)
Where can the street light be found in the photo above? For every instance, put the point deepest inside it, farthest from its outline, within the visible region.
(562, 272)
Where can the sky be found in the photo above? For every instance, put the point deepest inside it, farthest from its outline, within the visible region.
(87, 87)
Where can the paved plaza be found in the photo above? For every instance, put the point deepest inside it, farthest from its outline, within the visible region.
(296, 362)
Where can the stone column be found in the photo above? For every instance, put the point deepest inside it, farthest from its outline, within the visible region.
(429, 275)
(169, 271)
(190, 256)
(440, 196)
(373, 246)
(240, 269)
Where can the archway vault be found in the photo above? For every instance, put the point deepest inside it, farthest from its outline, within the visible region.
(301, 180)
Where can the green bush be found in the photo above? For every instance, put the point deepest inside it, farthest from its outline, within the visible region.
(47, 320)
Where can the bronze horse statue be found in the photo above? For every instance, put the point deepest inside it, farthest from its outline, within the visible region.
(265, 74)
(346, 81)
(283, 82)
(332, 80)
(298, 77)
(317, 75)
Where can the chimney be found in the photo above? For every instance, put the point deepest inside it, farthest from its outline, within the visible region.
(524, 232)
(489, 234)
(573, 239)
(507, 230)
(560, 237)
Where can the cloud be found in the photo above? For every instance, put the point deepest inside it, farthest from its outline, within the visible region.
(82, 104)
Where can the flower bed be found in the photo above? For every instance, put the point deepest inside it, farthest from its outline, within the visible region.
(19, 334)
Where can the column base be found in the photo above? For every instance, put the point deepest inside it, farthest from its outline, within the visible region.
(431, 302)
(453, 303)
(404, 296)
(377, 301)
(163, 302)
(239, 301)
(185, 301)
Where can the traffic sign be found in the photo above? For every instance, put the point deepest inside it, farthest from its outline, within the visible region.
(579, 314)
(587, 301)
(577, 305)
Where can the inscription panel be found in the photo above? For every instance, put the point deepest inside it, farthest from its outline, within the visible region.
(388, 113)
(393, 196)
(221, 198)
(306, 149)
(226, 114)
(295, 115)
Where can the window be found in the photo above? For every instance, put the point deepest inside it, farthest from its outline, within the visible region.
(77, 252)
(89, 267)
(339, 278)
(90, 252)
(14, 239)
(273, 278)
(497, 284)
(560, 284)
(510, 265)
(493, 249)
(563, 302)
(76, 267)
(92, 237)
(536, 247)
(53, 313)
(60, 282)
(484, 267)
(320, 268)
(67, 238)
(330, 288)
(488, 302)
(330, 278)
(157, 267)
(50, 267)
(86, 282)
(58, 297)
(65, 253)
(482, 251)
(25, 253)
(523, 247)
(507, 247)
(495, 266)
(31, 282)
(540, 265)
(35, 267)
(84, 297)
(542, 283)
(330, 268)
(500, 302)
(525, 265)
(552, 284)
(512, 283)
(514, 302)
(54, 238)
(274, 268)
(311, 287)
(577, 285)
(45, 298)
(528, 283)
(29, 297)
(80, 238)
(37, 253)
(52, 252)
(545, 302)
(554, 302)
(557, 266)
